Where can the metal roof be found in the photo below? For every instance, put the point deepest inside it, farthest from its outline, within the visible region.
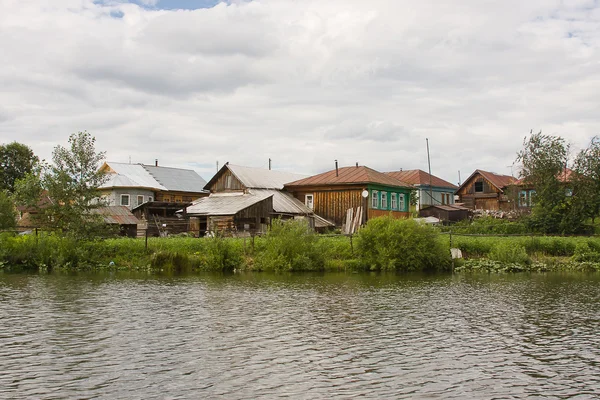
(499, 181)
(225, 203)
(130, 175)
(420, 177)
(177, 179)
(283, 202)
(258, 178)
(350, 175)
(119, 215)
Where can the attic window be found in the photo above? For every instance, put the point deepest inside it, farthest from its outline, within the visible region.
(479, 187)
(228, 182)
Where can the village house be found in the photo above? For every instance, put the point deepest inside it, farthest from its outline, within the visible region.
(153, 193)
(362, 189)
(431, 190)
(243, 200)
(485, 190)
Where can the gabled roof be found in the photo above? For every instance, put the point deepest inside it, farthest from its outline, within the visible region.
(225, 203)
(499, 181)
(349, 176)
(419, 177)
(152, 177)
(257, 178)
(566, 175)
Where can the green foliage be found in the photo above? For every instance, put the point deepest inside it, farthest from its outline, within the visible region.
(222, 254)
(586, 183)
(16, 161)
(289, 246)
(388, 244)
(487, 225)
(8, 214)
(583, 253)
(71, 185)
(509, 253)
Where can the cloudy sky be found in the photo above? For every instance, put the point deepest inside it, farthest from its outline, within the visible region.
(303, 82)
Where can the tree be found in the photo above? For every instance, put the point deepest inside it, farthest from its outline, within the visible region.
(71, 185)
(8, 216)
(16, 161)
(586, 180)
(543, 160)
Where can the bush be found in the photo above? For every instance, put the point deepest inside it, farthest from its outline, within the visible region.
(509, 253)
(289, 246)
(584, 253)
(386, 243)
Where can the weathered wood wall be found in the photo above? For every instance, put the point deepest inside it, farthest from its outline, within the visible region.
(226, 182)
(381, 213)
(179, 197)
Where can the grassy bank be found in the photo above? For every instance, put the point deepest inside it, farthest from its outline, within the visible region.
(383, 245)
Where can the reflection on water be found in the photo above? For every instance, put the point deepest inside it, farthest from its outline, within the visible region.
(301, 336)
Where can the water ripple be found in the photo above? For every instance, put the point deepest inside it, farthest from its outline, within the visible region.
(302, 336)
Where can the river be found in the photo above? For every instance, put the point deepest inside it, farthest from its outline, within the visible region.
(301, 336)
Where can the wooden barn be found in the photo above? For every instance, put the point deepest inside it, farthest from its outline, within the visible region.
(238, 185)
(486, 191)
(231, 214)
(332, 193)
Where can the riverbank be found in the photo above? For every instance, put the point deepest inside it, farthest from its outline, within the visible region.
(295, 253)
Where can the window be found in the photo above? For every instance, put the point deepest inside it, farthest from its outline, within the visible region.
(479, 187)
(374, 199)
(309, 201)
(448, 198)
(125, 200)
(149, 198)
(401, 205)
(443, 199)
(227, 181)
(523, 199)
(140, 200)
(531, 197)
(384, 200)
(394, 201)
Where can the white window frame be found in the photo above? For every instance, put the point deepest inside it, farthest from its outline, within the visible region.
(401, 202)
(384, 203)
(394, 201)
(149, 198)
(309, 201)
(374, 199)
(123, 197)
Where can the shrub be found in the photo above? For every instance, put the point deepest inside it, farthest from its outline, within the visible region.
(222, 254)
(584, 253)
(509, 253)
(386, 243)
(289, 246)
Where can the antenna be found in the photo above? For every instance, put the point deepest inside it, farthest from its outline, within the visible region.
(217, 165)
(429, 163)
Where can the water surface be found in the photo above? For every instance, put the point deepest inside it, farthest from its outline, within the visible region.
(247, 336)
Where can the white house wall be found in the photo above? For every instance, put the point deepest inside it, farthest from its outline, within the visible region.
(425, 198)
(113, 197)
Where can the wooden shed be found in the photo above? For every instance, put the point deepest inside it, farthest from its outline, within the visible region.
(332, 193)
(485, 190)
(446, 212)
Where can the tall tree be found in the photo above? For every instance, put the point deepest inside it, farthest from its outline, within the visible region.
(71, 185)
(8, 216)
(16, 161)
(543, 162)
(586, 180)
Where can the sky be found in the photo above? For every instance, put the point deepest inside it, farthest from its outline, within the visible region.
(194, 83)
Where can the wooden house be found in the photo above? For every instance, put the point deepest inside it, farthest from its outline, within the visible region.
(485, 190)
(131, 185)
(431, 190)
(332, 193)
(244, 199)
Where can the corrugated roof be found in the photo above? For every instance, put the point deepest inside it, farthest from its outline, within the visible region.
(177, 179)
(321, 222)
(260, 178)
(350, 175)
(284, 203)
(420, 177)
(225, 203)
(119, 215)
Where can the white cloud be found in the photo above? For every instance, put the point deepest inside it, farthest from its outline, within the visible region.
(303, 83)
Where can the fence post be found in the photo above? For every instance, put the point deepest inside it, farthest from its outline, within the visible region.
(146, 235)
(351, 246)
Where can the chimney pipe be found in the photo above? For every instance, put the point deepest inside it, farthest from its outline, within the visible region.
(156, 162)
(269, 164)
(336, 169)
(357, 164)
